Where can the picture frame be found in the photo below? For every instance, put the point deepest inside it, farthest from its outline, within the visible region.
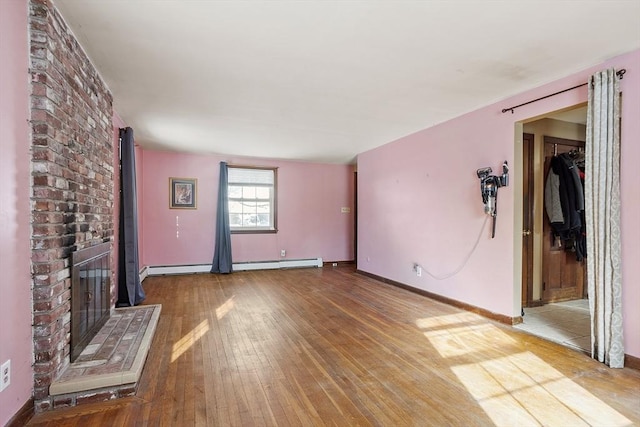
(183, 193)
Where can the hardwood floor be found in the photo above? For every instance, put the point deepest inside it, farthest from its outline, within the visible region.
(331, 347)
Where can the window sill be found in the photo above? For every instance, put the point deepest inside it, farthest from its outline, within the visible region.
(254, 231)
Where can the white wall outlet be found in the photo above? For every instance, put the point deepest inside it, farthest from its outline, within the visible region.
(283, 252)
(417, 269)
(5, 375)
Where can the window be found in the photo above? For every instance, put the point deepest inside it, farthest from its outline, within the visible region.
(252, 199)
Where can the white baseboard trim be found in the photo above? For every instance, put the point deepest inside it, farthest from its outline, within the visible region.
(241, 266)
(144, 272)
(159, 270)
(285, 263)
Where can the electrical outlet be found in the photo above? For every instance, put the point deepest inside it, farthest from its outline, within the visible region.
(417, 269)
(283, 253)
(5, 375)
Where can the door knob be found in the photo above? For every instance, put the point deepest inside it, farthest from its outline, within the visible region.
(526, 232)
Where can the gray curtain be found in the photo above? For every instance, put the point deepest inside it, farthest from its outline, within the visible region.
(602, 202)
(222, 262)
(130, 290)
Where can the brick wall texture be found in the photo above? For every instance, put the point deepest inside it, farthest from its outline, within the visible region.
(73, 175)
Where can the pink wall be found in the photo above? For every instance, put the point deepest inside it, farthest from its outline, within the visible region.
(15, 286)
(310, 222)
(419, 201)
(139, 153)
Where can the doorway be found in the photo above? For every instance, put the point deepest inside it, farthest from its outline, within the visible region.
(553, 294)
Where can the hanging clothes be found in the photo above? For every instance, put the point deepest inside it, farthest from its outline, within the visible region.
(575, 176)
(552, 198)
(564, 203)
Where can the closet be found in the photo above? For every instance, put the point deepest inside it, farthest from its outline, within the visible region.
(564, 267)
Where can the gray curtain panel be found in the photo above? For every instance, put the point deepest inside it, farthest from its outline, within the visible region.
(130, 290)
(602, 201)
(222, 262)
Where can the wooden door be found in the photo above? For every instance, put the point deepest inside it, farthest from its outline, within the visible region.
(527, 219)
(563, 277)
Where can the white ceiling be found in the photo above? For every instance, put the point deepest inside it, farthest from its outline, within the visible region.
(323, 80)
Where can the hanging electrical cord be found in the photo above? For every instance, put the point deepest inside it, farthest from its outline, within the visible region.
(466, 259)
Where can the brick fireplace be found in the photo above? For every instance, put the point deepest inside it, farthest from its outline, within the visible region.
(72, 198)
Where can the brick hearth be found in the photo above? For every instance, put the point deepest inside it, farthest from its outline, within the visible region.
(111, 365)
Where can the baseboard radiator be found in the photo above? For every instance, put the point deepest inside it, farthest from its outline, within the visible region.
(241, 266)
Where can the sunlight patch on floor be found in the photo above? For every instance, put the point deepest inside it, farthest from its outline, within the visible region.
(451, 342)
(189, 339)
(449, 319)
(226, 307)
(518, 389)
(458, 334)
(523, 389)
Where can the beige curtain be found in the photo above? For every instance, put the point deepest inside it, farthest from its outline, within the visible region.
(602, 206)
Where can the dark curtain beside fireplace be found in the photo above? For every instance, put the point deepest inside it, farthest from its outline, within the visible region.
(222, 262)
(130, 290)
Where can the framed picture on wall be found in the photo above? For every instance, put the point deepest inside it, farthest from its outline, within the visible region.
(182, 193)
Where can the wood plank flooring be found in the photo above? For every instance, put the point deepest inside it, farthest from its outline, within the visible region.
(330, 347)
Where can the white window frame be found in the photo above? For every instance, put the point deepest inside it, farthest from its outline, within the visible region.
(244, 179)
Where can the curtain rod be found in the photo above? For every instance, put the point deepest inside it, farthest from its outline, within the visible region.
(620, 74)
